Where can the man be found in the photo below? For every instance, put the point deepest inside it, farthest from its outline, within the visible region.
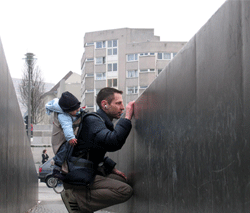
(97, 137)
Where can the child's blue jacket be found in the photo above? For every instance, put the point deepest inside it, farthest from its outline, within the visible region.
(65, 119)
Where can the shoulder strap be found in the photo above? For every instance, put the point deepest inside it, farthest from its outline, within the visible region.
(83, 115)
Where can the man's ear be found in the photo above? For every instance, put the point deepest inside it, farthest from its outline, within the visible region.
(103, 104)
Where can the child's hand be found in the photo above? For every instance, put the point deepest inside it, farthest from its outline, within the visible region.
(73, 142)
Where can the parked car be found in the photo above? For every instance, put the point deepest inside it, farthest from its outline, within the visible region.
(45, 174)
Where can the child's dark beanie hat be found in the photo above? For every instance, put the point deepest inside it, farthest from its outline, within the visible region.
(68, 102)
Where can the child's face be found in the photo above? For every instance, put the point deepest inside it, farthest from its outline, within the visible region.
(73, 113)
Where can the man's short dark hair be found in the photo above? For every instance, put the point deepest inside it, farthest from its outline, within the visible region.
(106, 93)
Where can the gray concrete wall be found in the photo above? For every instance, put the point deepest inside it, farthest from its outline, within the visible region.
(189, 150)
(18, 178)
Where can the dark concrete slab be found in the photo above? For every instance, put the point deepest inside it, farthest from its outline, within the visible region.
(191, 128)
(18, 179)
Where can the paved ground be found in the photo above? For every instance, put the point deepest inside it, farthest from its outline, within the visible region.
(50, 202)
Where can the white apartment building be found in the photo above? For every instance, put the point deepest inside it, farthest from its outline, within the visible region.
(126, 59)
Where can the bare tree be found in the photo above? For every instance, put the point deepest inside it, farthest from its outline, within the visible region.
(37, 91)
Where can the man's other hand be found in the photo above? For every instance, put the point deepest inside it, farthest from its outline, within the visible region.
(116, 171)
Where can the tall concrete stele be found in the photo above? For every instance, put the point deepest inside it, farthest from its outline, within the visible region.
(189, 148)
(18, 179)
(30, 62)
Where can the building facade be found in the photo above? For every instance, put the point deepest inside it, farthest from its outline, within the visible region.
(126, 59)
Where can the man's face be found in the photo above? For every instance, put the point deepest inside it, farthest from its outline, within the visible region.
(116, 107)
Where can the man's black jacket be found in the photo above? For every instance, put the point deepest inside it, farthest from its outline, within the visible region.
(99, 136)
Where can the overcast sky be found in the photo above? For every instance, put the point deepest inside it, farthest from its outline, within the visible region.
(54, 29)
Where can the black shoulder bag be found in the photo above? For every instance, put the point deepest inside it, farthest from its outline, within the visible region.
(81, 171)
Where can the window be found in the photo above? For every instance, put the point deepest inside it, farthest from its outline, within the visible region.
(112, 47)
(167, 56)
(89, 59)
(147, 70)
(89, 91)
(89, 44)
(132, 90)
(159, 70)
(100, 76)
(143, 87)
(164, 56)
(112, 51)
(112, 67)
(100, 60)
(132, 73)
(100, 44)
(112, 43)
(159, 56)
(132, 57)
(115, 67)
(174, 54)
(145, 54)
(115, 51)
(112, 82)
(90, 75)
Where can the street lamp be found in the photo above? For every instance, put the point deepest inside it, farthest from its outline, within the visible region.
(30, 62)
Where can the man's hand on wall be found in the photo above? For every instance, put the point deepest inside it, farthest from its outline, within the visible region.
(130, 110)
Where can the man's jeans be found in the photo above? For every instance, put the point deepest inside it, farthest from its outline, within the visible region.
(104, 192)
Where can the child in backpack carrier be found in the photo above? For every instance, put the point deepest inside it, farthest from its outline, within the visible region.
(67, 110)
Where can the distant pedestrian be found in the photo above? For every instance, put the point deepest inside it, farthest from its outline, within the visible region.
(45, 156)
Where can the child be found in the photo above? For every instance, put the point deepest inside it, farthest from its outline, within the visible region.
(67, 111)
